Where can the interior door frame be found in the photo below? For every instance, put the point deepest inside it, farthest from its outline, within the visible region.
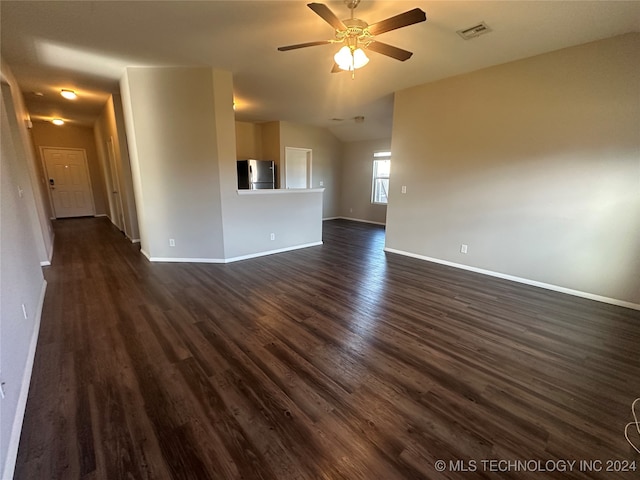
(309, 154)
(115, 183)
(46, 176)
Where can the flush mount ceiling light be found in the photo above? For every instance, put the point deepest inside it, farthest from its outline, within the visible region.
(57, 121)
(357, 35)
(68, 94)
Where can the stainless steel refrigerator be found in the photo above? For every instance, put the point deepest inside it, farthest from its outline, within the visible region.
(256, 174)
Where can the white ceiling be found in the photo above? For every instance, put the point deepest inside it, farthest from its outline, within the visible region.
(86, 45)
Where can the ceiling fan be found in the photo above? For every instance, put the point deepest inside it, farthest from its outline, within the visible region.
(356, 35)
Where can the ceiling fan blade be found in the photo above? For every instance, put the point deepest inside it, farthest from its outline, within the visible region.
(403, 20)
(336, 69)
(327, 15)
(303, 45)
(390, 51)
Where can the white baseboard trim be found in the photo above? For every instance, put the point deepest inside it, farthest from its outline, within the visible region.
(331, 218)
(45, 263)
(101, 215)
(272, 252)
(16, 429)
(132, 240)
(228, 260)
(526, 281)
(359, 220)
(184, 260)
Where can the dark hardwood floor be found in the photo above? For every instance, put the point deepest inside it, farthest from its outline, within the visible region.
(332, 362)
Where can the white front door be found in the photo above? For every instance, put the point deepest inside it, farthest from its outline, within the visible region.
(69, 183)
(297, 165)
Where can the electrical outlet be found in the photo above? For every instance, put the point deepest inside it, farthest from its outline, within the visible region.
(463, 248)
(272, 236)
(172, 242)
(321, 183)
(404, 189)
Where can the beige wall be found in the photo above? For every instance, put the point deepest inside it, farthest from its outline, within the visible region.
(173, 147)
(535, 165)
(45, 134)
(267, 141)
(42, 227)
(326, 158)
(183, 155)
(249, 141)
(295, 219)
(260, 141)
(357, 175)
(110, 125)
(26, 240)
(271, 142)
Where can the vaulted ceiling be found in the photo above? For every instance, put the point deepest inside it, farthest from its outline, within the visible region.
(85, 46)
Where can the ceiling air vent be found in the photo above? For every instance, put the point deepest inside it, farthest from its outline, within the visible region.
(474, 31)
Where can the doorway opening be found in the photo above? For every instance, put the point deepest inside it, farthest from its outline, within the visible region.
(297, 166)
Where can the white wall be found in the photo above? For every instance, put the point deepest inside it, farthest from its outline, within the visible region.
(534, 164)
(21, 281)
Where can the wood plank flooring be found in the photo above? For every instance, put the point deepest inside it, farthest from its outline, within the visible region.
(332, 362)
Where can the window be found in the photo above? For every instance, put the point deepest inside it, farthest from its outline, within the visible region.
(381, 169)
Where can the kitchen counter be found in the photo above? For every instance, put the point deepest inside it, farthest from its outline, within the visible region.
(278, 191)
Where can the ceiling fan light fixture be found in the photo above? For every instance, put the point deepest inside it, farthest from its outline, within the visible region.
(353, 32)
(68, 94)
(344, 58)
(360, 58)
(57, 121)
(351, 60)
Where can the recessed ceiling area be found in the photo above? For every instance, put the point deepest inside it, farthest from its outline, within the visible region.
(85, 46)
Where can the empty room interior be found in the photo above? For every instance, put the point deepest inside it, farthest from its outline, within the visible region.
(351, 239)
